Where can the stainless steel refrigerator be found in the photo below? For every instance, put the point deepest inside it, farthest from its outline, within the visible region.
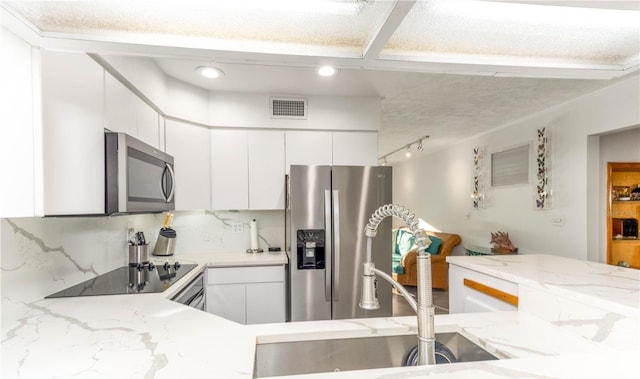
(328, 208)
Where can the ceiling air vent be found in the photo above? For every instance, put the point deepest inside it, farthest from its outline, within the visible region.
(292, 108)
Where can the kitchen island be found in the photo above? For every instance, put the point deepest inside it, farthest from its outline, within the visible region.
(148, 335)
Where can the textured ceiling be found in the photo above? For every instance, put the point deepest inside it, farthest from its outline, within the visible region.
(516, 33)
(452, 107)
(446, 68)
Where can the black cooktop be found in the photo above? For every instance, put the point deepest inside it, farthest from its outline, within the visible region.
(148, 278)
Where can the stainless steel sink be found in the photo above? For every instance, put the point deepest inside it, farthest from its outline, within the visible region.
(307, 357)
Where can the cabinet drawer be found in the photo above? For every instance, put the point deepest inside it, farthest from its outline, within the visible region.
(471, 291)
(250, 274)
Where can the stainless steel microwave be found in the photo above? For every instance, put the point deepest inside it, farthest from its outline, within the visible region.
(139, 177)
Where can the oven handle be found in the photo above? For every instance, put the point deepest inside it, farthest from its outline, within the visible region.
(196, 300)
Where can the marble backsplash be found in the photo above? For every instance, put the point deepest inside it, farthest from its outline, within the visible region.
(40, 256)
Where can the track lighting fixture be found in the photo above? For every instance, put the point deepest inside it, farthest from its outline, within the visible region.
(407, 154)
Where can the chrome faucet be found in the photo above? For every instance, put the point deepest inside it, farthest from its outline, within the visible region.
(424, 307)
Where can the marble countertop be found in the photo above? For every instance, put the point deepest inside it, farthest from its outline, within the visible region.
(147, 335)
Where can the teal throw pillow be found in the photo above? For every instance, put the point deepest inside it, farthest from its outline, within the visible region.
(435, 245)
(404, 242)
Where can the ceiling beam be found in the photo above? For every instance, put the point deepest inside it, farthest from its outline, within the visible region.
(187, 49)
(397, 14)
(444, 66)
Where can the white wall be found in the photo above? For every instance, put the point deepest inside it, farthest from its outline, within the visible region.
(623, 146)
(437, 186)
(186, 101)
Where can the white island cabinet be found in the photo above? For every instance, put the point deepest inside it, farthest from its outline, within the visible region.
(247, 295)
(471, 291)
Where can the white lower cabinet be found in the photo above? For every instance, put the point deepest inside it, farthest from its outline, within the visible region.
(471, 291)
(247, 295)
(227, 301)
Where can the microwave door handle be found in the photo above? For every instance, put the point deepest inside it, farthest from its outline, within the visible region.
(163, 187)
(173, 183)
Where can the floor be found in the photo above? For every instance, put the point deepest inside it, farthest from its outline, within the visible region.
(402, 308)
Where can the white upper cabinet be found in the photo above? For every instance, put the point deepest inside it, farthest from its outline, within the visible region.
(148, 124)
(308, 148)
(355, 148)
(73, 134)
(127, 113)
(266, 169)
(229, 170)
(18, 129)
(120, 107)
(331, 148)
(189, 146)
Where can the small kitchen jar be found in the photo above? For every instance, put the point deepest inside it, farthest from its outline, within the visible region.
(138, 254)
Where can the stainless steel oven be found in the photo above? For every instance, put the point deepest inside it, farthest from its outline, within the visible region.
(193, 294)
(138, 177)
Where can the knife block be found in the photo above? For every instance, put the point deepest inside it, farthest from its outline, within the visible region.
(166, 243)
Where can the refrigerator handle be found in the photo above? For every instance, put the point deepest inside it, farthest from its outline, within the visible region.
(336, 244)
(328, 248)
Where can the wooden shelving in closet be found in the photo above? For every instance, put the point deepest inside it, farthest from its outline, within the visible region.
(623, 213)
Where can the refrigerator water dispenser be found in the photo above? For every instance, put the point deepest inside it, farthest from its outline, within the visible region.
(311, 249)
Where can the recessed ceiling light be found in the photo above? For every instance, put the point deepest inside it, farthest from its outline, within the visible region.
(326, 71)
(210, 72)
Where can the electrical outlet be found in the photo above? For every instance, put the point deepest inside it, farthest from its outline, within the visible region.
(237, 227)
(557, 221)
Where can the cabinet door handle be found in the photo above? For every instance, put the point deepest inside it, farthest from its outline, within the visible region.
(493, 292)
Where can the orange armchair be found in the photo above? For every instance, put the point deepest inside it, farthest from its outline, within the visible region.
(439, 267)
